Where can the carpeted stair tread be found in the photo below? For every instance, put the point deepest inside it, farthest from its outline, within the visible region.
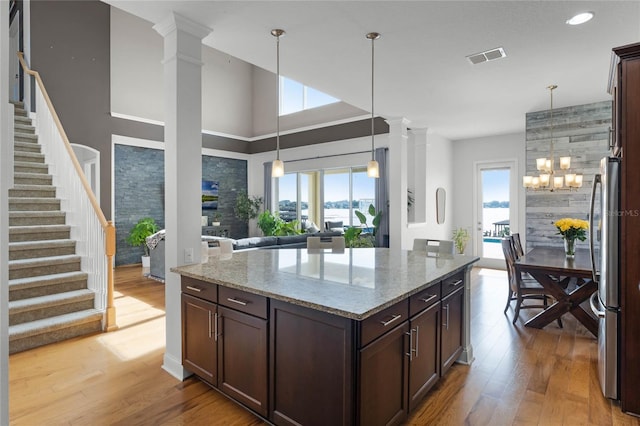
(21, 119)
(26, 147)
(30, 167)
(30, 282)
(37, 218)
(32, 179)
(23, 128)
(18, 204)
(26, 245)
(44, 229)
(25, 137)
(26, 263)
(18, 306)
(29, 157)
(39, 248)
(32, 191)
(20, 331)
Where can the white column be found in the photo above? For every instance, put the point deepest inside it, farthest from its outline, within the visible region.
(418, 142)
(397, 182)
(183, 166)
(6, 174)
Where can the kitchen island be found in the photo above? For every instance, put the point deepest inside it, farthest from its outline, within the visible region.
(317, 337)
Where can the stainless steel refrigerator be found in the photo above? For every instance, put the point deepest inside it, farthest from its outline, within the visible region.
(604, 244)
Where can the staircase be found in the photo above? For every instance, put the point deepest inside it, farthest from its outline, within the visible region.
(48, 296)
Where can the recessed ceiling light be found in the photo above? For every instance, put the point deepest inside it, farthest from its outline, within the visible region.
(580, 18)
(488, 55)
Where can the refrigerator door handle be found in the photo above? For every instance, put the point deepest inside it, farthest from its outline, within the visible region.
(597, 180)
(593, 301)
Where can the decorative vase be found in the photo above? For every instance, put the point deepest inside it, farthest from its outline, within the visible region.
(570, 247)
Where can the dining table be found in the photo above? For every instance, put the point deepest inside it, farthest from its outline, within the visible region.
(568, 280)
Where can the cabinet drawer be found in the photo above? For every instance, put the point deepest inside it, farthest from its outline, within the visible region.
(385, 320)
(242, 301)
(422, 300)
(201, 289)
(452, 283)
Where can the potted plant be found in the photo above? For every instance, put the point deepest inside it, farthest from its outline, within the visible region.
(247, 207)
(138, 235)
(460, 239)
(215, 220)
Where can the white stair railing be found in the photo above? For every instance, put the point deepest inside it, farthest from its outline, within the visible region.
(94, 235)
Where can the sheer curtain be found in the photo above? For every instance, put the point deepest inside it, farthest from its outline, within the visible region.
(267, 186)
(382, 198)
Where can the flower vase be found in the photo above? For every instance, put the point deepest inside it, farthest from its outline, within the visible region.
(570, 247)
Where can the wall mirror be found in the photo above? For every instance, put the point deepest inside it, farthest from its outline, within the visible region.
(441, 196)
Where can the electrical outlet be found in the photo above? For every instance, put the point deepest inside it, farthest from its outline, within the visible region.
(188, 255)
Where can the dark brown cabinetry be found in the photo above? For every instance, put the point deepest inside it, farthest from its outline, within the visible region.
(452, 311)
(626, 91)
(424, 369)
(226, 347)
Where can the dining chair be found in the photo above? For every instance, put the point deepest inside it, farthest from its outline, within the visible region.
(522, 289)
(433, 247)
(335, 243)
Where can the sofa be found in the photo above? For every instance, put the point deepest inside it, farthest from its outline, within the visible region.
(157, 250)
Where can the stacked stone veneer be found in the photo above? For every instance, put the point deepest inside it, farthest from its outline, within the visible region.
(139, 192)
(580, 132)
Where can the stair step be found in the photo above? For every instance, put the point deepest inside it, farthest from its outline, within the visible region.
(28, 157)
(28, 167)
(34, 249)
(37, 218)
(21, 120)
(17, 104)
(32, 179)
(32, 191)
(25, 137)
(24, 268)
(26, 147)
(39, 233)
(37, 308)
(24, 128)
(42, 332)
(19, 111)
(33, 204)
(24, 288)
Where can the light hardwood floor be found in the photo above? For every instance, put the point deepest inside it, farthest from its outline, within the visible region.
(519, 376)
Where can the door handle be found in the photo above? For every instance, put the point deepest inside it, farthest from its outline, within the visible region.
(597, 312)
(597, 180)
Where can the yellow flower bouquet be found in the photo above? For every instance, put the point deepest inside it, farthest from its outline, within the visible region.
(572, 230)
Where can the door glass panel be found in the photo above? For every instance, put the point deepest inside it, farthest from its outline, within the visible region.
(336, 196)
(363, 194)
(287, 196)
(495, 211)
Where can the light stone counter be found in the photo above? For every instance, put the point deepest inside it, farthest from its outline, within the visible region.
(355, 283)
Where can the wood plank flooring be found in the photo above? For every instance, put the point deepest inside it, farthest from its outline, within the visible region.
(520, 376)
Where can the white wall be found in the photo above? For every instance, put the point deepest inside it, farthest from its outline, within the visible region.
(471, 151)
(439, 174)
(137, 85)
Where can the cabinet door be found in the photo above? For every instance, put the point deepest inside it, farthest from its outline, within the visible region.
(242, 358)
(452, 322)
(424, 365)
(198, 338)
(383, 375)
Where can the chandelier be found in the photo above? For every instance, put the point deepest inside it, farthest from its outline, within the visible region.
(277, 167)
(548, 179)
(373, 169)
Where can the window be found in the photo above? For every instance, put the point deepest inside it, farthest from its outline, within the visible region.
(326, 195)
(295, 97)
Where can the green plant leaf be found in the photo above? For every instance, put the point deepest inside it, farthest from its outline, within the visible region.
(361, 217)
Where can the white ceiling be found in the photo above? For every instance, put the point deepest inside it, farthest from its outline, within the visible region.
(421, 70)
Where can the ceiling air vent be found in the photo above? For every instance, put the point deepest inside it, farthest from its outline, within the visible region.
(488, 55)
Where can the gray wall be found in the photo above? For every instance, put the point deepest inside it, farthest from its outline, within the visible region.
(581, 132)
(70, 48)
(139, 192)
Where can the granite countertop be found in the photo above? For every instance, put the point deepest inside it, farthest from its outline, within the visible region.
(355, 283)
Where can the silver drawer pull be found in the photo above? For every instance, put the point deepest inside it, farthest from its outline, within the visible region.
(429, 299)
(196, 289)
(238, 301)
(456, 283)
(393, 318)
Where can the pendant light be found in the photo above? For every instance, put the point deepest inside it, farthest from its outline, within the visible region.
(277, 167)
(548, 179)
(373, 170)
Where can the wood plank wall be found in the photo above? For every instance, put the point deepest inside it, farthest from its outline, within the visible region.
(579, 131)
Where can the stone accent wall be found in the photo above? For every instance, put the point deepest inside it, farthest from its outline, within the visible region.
(139, 192)
(579, 131)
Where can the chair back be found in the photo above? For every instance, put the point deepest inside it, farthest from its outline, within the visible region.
(336, 243)
(420, 244)
(517, 245)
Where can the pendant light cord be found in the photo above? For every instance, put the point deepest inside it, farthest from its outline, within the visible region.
(551, 117)
(372, 103)
(278, 97)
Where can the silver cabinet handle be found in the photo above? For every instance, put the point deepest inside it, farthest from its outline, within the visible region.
(393, 318)
(456, 283)
(446, 324)
(410, 353)
(429, 299)
(417, 339)
(238, 301)
(196, 289)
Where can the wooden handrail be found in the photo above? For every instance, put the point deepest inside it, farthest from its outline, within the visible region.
(107, 226)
